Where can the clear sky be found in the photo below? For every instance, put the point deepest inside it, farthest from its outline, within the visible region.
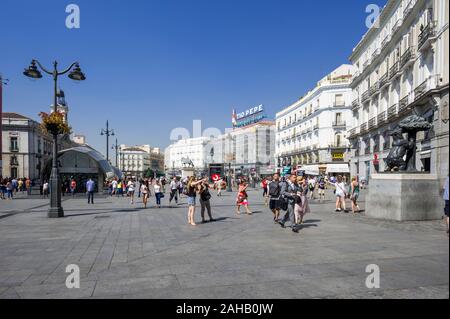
(152, 65)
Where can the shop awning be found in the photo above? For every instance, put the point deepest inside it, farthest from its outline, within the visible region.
(338, 168)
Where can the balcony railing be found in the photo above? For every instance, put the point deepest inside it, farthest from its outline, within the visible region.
(426, 34)
(340, 124)
(408, 57)
(420, 90)
(339, 104)
(384, 80)
(403, 104)
(372, 123)
(385, 41)
(375, 88)
(365, 96)
(394, 70)
(13, 149)
(355, 104)
(381, 118)
(375, 53)
(353, 132)
(408, 9)
(397, 25)
(392, 111)
(363, 128)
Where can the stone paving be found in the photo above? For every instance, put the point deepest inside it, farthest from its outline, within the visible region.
(124, 251)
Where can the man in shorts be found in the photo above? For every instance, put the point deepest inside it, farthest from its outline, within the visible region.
(274, 190)
(321, 189)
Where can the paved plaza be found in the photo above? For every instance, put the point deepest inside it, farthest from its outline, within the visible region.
(124, 251)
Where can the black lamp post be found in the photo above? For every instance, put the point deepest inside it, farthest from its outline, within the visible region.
(116, 147)
(55, 209)
(108, 133)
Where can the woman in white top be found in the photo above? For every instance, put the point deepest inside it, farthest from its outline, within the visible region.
(158, 193)
(340, 194)
(145, 193)
(131, 190)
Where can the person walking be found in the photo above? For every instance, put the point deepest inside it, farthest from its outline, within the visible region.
(191, 193)
(9, 190)
(340, 194)
(90, 187)
(242, 198)
(312, 187)
(205, 200)
(264, 184)
(274, 193)
(290, 191)
(321, 189)
(73, 187)
(218, 185)
(174, 187)
(145, 191)
(45, 189)
(157, 188)
(28, 186)
(354, 194)
(131, 189)
(301, 205)
(446, 207)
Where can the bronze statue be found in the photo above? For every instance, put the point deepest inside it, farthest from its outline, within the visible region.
(400, 147)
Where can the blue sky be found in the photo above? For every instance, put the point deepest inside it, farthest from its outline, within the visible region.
(152, 66)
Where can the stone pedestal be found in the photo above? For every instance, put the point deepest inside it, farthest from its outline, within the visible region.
(404, 196)
(187, 172)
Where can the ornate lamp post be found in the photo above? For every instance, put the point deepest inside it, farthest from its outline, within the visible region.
(108, 133)
(75, 74)
(116, 147)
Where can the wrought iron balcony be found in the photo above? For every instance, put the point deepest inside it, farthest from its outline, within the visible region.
(375, 88)
(384, 80)
(394, 70)
(420, 90)
(392, 111)
(403, 104)
(408, 57)
(426, 34)
(339, 124)
(372, 123)
(365, 96)
(353, 132)
(385, 41)
(408, 9)
(355, 104)
(363, 128)
(397, 25)
(14, 149)
(381, 118)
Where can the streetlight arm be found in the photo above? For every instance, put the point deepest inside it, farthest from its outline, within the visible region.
(68, 69)
(42, 68)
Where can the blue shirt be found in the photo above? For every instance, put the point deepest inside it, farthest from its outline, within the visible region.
(90, 185)
(446, 189)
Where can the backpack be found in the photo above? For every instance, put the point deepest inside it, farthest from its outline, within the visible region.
(274, 190)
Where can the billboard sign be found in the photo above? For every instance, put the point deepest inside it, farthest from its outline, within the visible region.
(248, 117)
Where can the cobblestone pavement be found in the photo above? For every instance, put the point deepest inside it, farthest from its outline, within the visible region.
(124, 251)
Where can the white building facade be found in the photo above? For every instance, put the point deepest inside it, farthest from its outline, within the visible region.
(193, 149)
(401, 69)
(311, 133)
(136, 161)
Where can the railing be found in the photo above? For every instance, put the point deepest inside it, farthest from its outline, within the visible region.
(339, 123)
(426, 33)
(403, 104)
(365, 96)
(374, 88)
(363, 127)
(381, 118)
(375, 53)
(408, 56)
(339, 104)
(420, 90)
(385, 41)
(393, 71)
(384, 80)
(355, 104)
(408, 8)
(392, 111)
(372, 123)
(13, 149)
(396, 25)
(353, 132)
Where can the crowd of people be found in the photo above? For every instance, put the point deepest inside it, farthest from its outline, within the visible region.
(9, 187)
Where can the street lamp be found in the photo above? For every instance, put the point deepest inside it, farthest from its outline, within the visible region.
(116, 147)
(108, 133)
(32, 71)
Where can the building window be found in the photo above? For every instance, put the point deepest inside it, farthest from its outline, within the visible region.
(14, 144)
(14, 172)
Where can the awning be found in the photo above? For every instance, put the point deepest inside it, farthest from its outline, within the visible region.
(337, 168)
(310, 169)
